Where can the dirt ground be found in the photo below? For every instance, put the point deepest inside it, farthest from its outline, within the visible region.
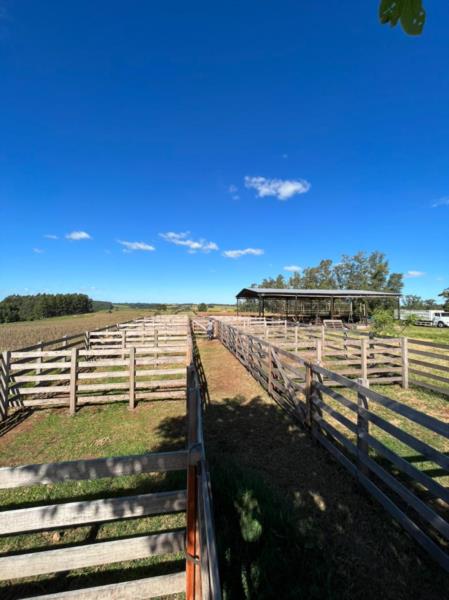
(373, 556)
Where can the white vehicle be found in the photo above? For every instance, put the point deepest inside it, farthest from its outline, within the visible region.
(429, 318)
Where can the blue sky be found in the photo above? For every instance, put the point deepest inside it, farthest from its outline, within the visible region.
(293, 130)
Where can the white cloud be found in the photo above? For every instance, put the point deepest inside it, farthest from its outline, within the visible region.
(130, 246)
(50, 236)
(283, 189)
(293, 268)
(411, 274)
(239, 253)
(441, 202)
(38, 250)
(78, 235)
(233, 190)
(182, 239)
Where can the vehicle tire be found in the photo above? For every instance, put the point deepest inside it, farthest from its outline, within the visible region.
(440, 324)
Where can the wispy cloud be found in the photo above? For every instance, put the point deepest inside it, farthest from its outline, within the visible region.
(78, 235)
(182, 239)
(131, 246)
(234, 191)
(293, 268)
(38, 250)
(283, 189)
(50, 236)
(441, 202)
(239, 253)
(411, 274)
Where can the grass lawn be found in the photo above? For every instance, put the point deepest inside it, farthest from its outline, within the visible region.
(358, 550)
(52, 435)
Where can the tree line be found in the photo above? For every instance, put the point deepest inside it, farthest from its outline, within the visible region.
(359, 272)
(41, 306)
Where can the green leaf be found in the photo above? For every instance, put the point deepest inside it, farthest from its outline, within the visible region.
(410, 13)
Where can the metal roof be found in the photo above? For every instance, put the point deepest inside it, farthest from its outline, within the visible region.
(308, 293)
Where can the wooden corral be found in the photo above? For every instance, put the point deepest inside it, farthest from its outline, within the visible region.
(353, 423)
(147, 367)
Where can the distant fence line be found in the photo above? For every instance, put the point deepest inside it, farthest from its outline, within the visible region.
(352, 422)
(355, 353)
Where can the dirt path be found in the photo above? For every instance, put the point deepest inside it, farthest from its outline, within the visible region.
(373, 556)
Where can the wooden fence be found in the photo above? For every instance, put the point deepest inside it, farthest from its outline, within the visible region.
(87, 372)
(370, 434)
(200, 579)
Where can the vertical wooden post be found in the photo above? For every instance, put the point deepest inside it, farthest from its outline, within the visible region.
(87, 340)
(132, 378)
(5, 360)
(270, 370)
(296, 339)
(364, 360)
(308, 394)
(404, 357)
(39, 358)
(362, 428)
(123, 343)
(192, 545)
(319, 351)
(73, 381)
(323, 336)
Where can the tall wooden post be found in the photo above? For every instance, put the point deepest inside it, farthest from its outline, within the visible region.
(319, 351)
(364, 360)
(192, 541)
(404, 360)
(296, 338)
(5, 360)
(73, 381)
(132, 378)
(308, 395)
(39, 358)
(362, 429)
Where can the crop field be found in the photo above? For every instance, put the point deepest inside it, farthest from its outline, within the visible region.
(27, 333)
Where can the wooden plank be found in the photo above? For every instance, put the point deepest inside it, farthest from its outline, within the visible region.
(73, 381)
(423, 363)
(54, 389)
(36, 366)
(427, 386)
(39, 354)
(77, 470)
(430, 354)
(139, 589)
(38, 378)
(90, 555)
(132, 378)
(74, 514)
(336, 415)
(429, 344)
(430, 376)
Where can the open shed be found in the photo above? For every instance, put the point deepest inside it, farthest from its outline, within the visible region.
(308, 304)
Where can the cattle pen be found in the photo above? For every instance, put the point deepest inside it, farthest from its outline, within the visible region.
(326, 383)
(146, 360)
(337, 385)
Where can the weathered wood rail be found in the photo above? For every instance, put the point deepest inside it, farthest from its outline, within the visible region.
(199, 580)
(362, 429)
(125, 364)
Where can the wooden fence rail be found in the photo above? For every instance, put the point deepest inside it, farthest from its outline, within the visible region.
(361, 429)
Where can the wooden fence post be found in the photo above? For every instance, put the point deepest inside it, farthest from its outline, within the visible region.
(319, 351)
(323, 337)
(296, 339)
(364, 360)
(87, 340)
(404, 357)
(308, 394)
(73, 381)
(5, 360)
(123, 343)
(270, 370)
(362, 428)
(132, 377)
(39, 358)
(192, 541)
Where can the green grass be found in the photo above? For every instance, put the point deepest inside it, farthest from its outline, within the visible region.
(49, 436)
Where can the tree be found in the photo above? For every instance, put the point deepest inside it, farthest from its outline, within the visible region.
(202, 307)
(445, 294)
(409, 13)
